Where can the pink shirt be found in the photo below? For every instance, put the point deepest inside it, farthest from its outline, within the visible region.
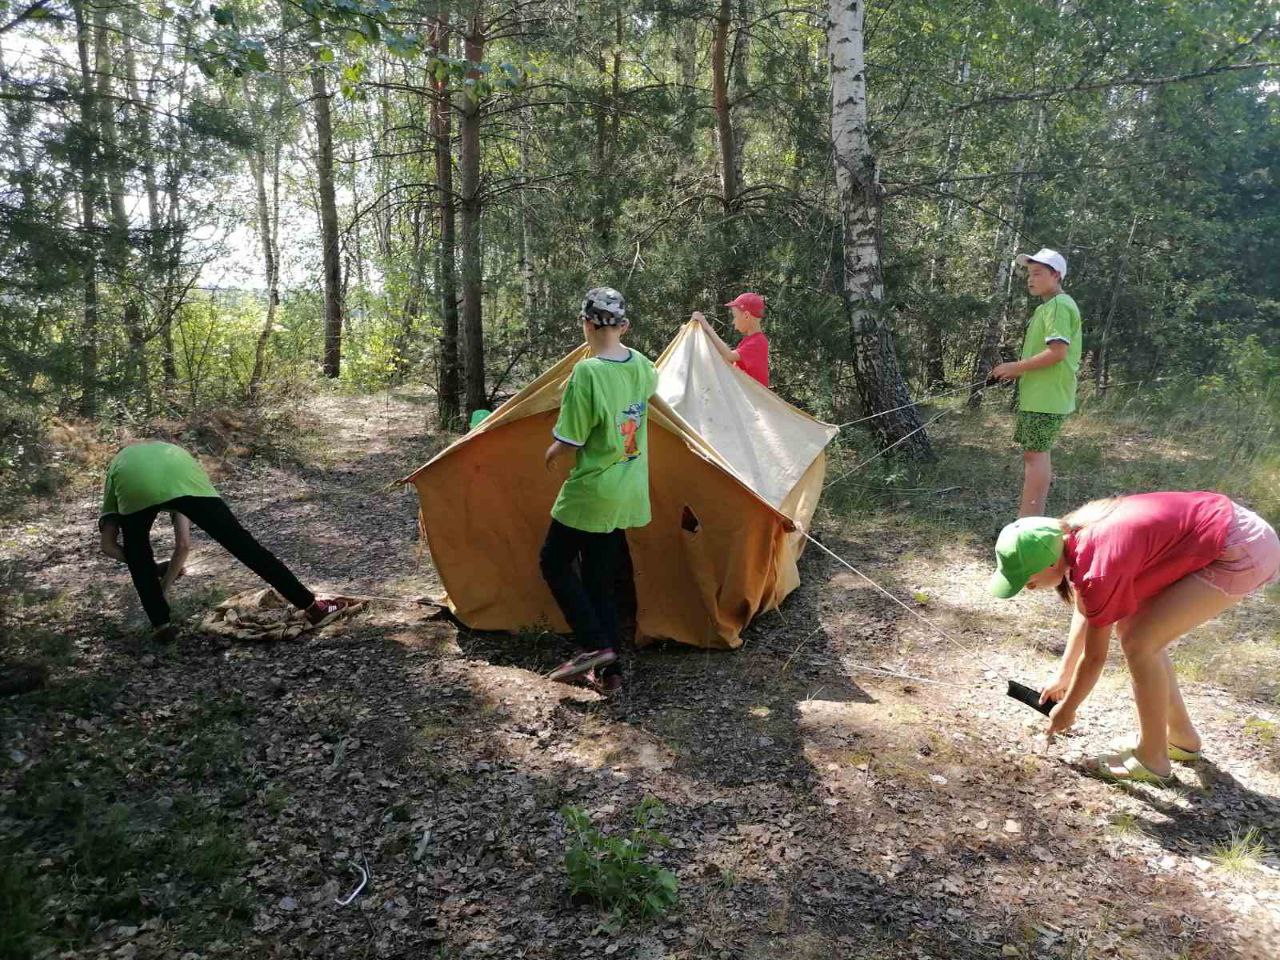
(1147, 542)
(753, 357)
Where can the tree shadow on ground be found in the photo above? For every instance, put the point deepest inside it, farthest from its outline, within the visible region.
(1204, 819)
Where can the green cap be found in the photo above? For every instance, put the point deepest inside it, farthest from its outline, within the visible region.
(1023, 549)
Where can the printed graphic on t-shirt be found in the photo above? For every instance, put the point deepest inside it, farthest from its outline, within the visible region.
(629, 425)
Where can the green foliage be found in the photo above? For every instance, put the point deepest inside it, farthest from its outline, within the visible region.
(1241, 851)
(615, 872)
(599, 164)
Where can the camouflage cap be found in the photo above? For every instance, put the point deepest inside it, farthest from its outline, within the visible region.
(604, 307)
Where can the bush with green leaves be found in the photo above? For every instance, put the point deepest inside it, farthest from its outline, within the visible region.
(615, 871)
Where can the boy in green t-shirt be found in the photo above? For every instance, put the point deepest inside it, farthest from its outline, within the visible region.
(604, 422)
(1046, 375)
(150, 478)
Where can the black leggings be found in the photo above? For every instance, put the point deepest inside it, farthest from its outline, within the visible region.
(214, 517)
(587, 601)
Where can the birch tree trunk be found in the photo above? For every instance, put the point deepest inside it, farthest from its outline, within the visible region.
(472, 278)
(268, 230)
(328, 223)
(875, 363)
(449, 385)
(1007, 239)
(1102, 363)
(934, 334)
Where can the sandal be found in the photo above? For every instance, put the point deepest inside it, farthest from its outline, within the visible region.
(582, 663)
(1179, 755)
(1126, 768)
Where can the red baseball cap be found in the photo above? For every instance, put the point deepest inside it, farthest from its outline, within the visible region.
(753, 303)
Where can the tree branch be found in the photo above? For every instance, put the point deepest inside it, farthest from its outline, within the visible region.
(1055, 92)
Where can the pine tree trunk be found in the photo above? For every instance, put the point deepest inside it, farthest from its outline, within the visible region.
(740, 88)
(472, 278)
(119, 257)
(720, 101)
(85, 156)
(141, 110)
(449, 388)
(328, 224)
(875, 364)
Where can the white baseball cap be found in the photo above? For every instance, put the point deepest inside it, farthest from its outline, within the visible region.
(1050, 258)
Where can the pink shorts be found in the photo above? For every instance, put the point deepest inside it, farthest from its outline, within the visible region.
(1250, 557)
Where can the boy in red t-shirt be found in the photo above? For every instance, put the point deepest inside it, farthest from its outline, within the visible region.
(752, 354)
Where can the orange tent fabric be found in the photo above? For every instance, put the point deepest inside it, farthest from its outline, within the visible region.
(723, 543)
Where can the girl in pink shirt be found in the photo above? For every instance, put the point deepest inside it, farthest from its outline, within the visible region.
(1152, 566)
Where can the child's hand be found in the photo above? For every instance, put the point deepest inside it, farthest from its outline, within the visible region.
(697, 315)
(555, 452)
(1056, 690)
(1060, 720)
(1004, 371)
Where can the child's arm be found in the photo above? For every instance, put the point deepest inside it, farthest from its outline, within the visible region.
(1070, 657)
(110, 530)
(1097, 640)
(181, 548)
(1055, 352)
(730, 355)
(557, 450)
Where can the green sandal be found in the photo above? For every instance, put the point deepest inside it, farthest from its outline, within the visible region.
(1178, 755)
(1126, 768)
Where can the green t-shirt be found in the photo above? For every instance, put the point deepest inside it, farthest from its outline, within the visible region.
(1052, 389)
(145, 474)
(605, 414)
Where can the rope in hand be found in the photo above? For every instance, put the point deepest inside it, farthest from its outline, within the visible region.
(915, 403)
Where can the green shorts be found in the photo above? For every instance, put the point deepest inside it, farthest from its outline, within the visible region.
(1038, 432)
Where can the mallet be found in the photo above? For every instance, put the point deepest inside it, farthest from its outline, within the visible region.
(1030, 696)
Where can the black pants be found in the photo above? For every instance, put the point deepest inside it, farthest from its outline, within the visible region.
(214, 517)
(587, 599)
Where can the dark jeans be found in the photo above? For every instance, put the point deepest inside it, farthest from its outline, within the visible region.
(586, 598)
(214, 517)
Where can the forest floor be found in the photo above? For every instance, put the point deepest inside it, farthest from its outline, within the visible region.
(217, 800)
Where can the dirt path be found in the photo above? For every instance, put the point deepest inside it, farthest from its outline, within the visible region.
(213, 801)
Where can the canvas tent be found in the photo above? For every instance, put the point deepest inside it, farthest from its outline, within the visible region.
(733, 469)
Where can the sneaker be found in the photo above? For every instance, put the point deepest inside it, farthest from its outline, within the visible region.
(165, 634)
(322, 610)
(611, 684)
(605, 686)
(583, 662)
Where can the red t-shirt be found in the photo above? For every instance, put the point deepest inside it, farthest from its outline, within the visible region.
(753, 357)
(1147, 542)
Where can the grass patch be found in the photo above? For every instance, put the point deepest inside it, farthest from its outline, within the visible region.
(1241, 852)
(1266, 731)
(1125, 825)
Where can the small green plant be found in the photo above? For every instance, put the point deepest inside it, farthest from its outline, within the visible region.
(1265, 730)
(1125, 825)
(1242, 851)
(614, 871)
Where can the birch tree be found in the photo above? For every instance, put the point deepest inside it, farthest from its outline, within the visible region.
(877, 376)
